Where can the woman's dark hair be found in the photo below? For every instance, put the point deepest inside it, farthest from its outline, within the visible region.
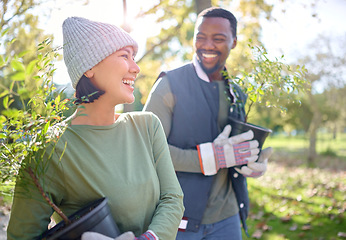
(223, 13)
(86, 92)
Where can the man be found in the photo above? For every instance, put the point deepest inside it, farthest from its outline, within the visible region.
(193, 108)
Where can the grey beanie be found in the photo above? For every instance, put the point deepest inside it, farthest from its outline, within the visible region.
(86, 43)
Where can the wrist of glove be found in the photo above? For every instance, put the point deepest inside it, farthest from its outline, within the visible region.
(148, 235)
(98, 236)
(256, 169)
(225, 151)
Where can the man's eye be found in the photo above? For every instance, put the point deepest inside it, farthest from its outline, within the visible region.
(125, 56)
(219, 40)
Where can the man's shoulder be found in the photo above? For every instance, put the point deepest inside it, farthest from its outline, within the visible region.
(185, 67)
(162, 84)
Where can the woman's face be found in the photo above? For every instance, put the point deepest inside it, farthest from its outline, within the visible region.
(116, 76)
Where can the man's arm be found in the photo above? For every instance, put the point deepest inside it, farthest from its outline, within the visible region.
(161, 102)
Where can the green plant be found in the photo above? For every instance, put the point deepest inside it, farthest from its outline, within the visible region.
(269, 82)
(29, 133)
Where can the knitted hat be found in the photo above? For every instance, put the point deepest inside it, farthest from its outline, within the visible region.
(86, 43)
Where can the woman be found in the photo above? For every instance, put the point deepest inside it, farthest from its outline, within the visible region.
(123, 157)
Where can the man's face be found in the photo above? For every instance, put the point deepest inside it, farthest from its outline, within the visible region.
(213, 42)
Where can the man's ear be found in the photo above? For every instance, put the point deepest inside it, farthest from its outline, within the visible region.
(89, 74)
(234, 43)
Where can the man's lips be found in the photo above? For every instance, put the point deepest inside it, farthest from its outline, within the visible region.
(209, 57)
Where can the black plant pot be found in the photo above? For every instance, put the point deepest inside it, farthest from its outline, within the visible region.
(95, 217)
(260, 133)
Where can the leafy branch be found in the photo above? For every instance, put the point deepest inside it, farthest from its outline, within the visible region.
(28, 136)
(272, 83)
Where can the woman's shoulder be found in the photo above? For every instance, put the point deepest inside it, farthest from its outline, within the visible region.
(143, 117)
(139, 115)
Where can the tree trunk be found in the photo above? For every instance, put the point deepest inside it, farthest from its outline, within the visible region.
(200, 5)
(312, 140)
(335, 130)
(314, 125)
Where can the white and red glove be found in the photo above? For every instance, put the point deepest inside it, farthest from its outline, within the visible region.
(256, 169)
(148, 235)
(225, 151)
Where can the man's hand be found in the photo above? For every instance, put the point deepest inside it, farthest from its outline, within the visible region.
(257, 169)
(225, 151)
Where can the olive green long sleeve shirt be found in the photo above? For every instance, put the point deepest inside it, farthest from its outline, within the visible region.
(128, 162)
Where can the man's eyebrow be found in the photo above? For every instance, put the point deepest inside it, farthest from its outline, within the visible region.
(214, 35)
(220, 34)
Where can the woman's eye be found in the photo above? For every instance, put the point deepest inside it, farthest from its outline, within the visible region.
(125, 56)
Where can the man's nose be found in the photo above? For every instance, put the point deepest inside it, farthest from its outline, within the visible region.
(209, 44)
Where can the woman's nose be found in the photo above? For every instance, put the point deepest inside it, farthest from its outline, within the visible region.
(134, 68)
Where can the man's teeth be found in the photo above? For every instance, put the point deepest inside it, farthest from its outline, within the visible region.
(206, 55)
(129, 82)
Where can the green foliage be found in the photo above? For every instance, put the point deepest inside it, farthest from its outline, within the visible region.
(19, 39)
(271, 83)
(25, 133)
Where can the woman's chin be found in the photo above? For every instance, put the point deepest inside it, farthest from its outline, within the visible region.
(130, 100)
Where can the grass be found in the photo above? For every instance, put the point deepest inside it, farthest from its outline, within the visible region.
(298, 203)
(325, 144)
(293, 201)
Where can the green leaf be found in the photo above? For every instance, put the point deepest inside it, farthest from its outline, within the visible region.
(23, 53)
(31, 66)
(3, 93)
(57, 100)
(3, 136)
(18, 76)
(17, 65)
(5, 102)
(46, 126)
(2, 61)
(3, 33)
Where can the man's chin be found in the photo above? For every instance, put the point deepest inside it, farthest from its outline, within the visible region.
(209, 70)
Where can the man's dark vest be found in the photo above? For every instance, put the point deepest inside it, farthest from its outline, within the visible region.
(195, 121)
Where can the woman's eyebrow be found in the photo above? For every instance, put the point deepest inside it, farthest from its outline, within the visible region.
(126, 49)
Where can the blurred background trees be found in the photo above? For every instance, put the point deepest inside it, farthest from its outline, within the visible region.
(18, 26)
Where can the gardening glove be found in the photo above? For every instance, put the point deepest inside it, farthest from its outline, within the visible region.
(98, 236)
(256, 169)
(225, 151)
(148, 235)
